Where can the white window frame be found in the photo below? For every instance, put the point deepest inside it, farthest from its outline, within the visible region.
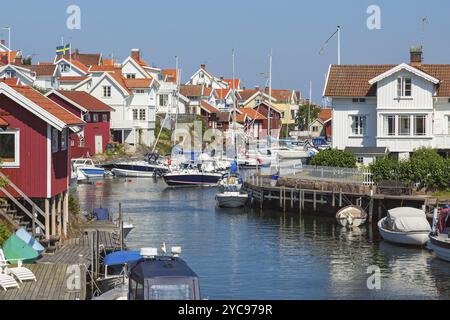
(358, 127)
(401, 88)
(95, 118)
(163, 98)
(10, 74)
(16, 163)
(415, 125)
(64, 140)
(107, 91)
(400, 117)
(64, 68)
(139, 91)
(386, 129)
(55, 140)
(130, 76)
(135, 114)
(104, 118)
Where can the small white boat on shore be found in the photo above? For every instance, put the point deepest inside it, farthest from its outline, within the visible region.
(85, 169)
(351, 216)
(406, 226)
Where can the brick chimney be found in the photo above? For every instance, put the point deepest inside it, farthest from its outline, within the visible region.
(203, 66)
(416, 54)
(3, 42)
(136, 54)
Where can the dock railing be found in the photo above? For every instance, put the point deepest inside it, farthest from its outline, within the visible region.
(295, 169)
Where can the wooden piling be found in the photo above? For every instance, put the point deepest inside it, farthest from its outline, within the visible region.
(340, 198)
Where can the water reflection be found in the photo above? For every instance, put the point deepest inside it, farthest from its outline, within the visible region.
(253, 254)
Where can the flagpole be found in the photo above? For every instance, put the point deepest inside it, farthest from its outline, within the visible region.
(339, 45)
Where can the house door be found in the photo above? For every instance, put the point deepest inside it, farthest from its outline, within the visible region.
(98, 144)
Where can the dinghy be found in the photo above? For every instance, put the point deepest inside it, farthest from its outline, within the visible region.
(351, 216)
(406, 226)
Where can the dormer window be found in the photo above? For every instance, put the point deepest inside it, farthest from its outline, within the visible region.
(130, 76)
(65, 67)
(10, 74)
(404, 87)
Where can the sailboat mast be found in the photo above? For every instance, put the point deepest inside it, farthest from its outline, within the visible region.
(177, 75)
(233, 92)
(270, 98)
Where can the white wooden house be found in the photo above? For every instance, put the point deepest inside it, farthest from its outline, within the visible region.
(399, 107)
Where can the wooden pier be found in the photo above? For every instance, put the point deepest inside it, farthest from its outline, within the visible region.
(55, 271)
(326, 198)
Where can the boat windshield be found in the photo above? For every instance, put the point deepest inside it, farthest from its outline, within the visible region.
(171, 292)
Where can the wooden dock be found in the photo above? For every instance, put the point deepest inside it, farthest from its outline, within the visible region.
(294, 197)
(53, 270)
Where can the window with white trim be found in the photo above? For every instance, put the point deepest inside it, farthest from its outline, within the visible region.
(87, 117)
(55, 140)
(10, 74)
(9, 148)
(420, 125)
(404, 124)
(139, 91)
(104, 118)
(359, 125)
(95, 117)
(360, 160)
(389, 126)
(130, 76)
(163, 100)
(107, 91)
(64, 140)
(135, 114)
(404, 87)
(64, 67)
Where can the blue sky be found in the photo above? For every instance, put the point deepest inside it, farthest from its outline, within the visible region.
(201, 31)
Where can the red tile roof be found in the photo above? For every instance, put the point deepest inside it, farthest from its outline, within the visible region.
(208, 108)
(4, 57)
(229, 82)
(353, 80)
(11, 81)
(42, 70)
(3, 122)
(222, 93)
(170, 75)
(103, 68)
(326, 114)
(50, 106)
(85, 100)
(120, 80)
(247, 94)
(207, 91)
(138, 83)
(240, 117)
(280, 95)
(191, 90)
(252, 114)
(72, 79)
(88, 59)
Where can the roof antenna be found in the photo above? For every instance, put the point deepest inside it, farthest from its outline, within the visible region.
(424, 23)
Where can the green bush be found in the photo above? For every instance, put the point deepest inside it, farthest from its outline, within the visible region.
(425, 167)
(334, 158)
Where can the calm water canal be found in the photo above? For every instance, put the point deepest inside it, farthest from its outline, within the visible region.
(248, 254)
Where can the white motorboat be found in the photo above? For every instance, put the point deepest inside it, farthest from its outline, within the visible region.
(351, 216)
(232, 199)
(192, 176)
(85, 169)
(440, 238)
(406, 226)
(149, 167)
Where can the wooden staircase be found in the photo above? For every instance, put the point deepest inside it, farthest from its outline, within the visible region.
(13, 217)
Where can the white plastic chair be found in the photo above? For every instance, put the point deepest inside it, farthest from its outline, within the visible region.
(7, 282)
(20, 273)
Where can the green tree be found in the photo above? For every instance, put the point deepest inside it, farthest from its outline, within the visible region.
(27, 61)
(334, 158)
(307, 112)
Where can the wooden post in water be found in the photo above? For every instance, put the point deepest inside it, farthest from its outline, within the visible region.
(97, 260)
(340, 198)
(121, 227)
(47, 219)
(314, 201)
(380, 211)
(333, 200)
(284, 199)
(371, 207)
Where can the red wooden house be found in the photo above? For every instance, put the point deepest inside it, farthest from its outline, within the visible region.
(254, 123)
(210, 113)
(97, 115)
(35, 155)
(275, 119)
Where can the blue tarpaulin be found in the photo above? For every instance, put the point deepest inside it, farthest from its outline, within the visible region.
(101, 214)
(122, 257)
(234, 167)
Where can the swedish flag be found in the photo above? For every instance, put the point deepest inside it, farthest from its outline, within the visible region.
(63, 50)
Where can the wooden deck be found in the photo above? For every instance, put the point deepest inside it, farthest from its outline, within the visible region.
(52, 272)
(51, 285)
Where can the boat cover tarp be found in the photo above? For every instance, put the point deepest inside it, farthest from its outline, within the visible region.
(30, 240)
(101, 214)
(407, 220)
(121, 258)
(16, 249)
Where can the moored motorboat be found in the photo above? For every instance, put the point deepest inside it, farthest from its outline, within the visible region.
(231, 195)
(191, 176)
(85, 169)
(440, 237)
(351, 216)
(406, 226)
(149, 167)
